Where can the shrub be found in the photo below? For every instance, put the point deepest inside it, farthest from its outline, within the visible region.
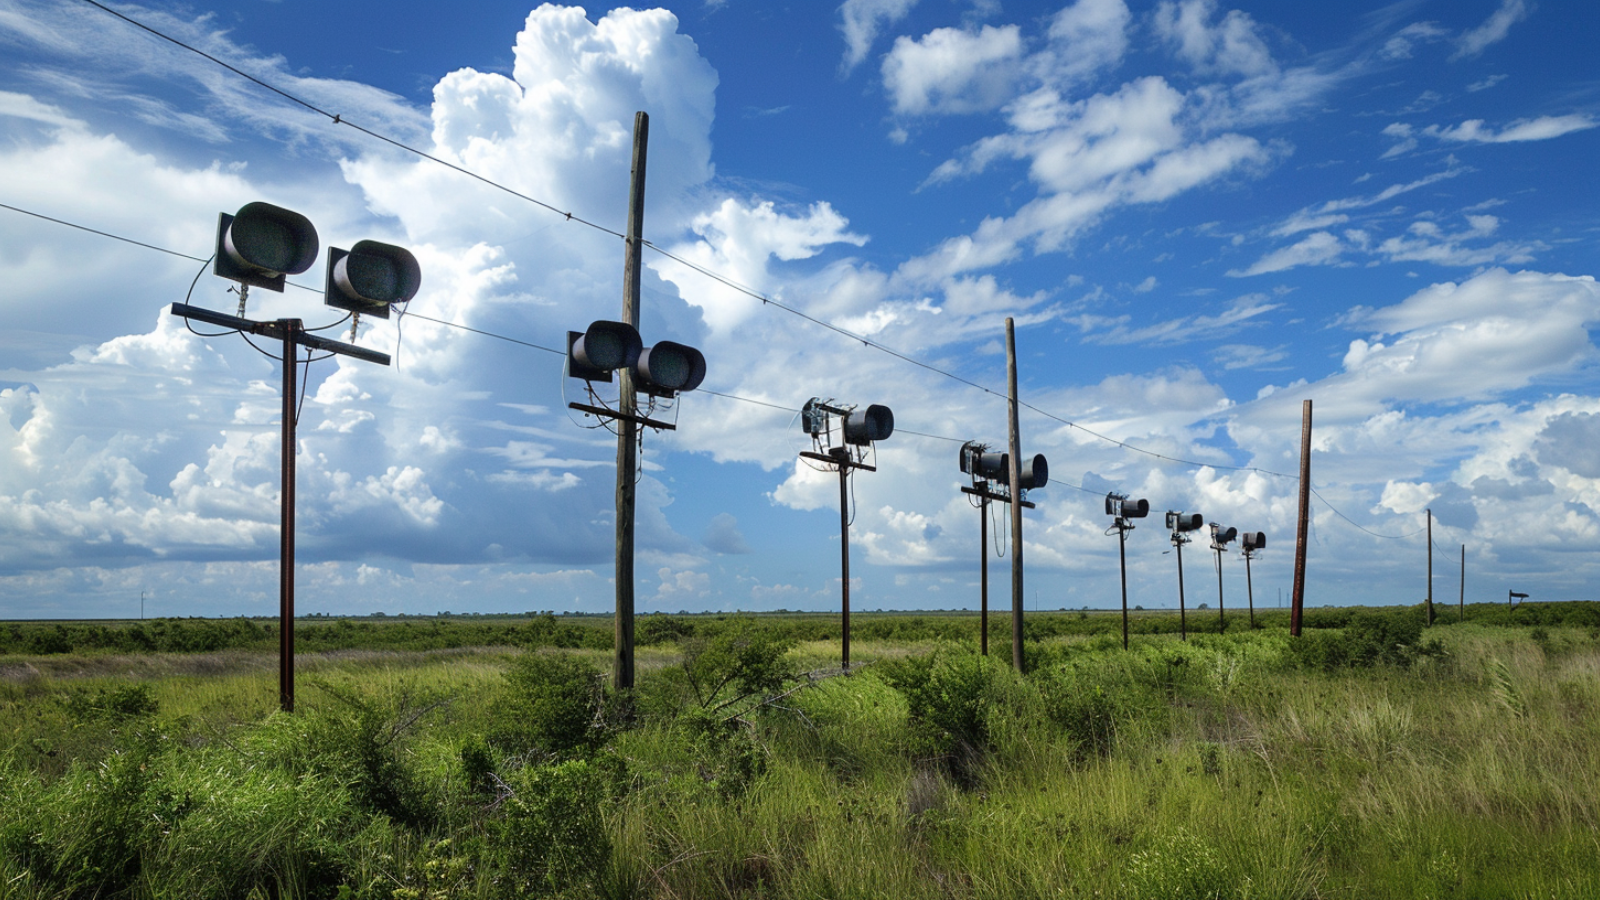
(554, 706)
(1368, 639)
(552, 832)
(120, 704)
(948, 696)
(1180, 866)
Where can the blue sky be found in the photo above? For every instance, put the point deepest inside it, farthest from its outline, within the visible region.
(1198, 213)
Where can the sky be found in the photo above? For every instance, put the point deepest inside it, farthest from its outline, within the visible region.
(1198, 214)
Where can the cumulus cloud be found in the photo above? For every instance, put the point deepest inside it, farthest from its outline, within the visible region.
(950, 70)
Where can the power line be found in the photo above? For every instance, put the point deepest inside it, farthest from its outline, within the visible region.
(728, 396)
(338, 119)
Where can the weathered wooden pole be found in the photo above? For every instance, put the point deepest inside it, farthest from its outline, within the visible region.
(844, 555)
(1122, 559)
(627, 428)
(1297, 600)
(1183, 618)
(983, 576)
(1015, 476)
(291, 354)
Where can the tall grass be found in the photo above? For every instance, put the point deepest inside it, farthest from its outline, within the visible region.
(1458, 762)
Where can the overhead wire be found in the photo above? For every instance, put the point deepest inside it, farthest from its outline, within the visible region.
(338, 119)
(767, 404)
(766, 300)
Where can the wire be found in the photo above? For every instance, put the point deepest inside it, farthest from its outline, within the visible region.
(339, 119)
(728, 396)
(1390, 537)
(114, 237)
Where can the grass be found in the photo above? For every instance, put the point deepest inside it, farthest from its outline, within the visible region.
(1228, 766)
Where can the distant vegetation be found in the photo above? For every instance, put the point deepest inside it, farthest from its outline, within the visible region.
(1375, 757)
(594, 632)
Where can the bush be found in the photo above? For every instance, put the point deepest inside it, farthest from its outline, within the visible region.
(948, 696)
(552, 833)
(555, 705)
(1391, 638)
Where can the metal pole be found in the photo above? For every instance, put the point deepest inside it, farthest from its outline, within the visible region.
(844, 557)
(1122, 557)
(983, 577)
(1430, 567)
(1016, 498)
(1461, 603)
(1222, 618)
(1250, 591)
(291, 352)
(627, 430)
(1183, 622)
(1297, 600)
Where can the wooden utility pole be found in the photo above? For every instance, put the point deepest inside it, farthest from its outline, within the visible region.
(291, 369)
(1015, 475)
(844, 556)
(983, 575)
(627, 428)
(1430, 567)
(1297, 600)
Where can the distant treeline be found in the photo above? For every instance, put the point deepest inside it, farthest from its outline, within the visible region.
(317, 634)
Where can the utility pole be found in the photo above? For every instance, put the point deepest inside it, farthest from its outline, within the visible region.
(1183, 619)
(1016, 494)
(1297, 600)
(1461, 603)
(983, 574)
(291, 357)
(627, 427)
(1122, 561)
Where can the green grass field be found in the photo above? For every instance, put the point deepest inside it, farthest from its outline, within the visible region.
(1371, 758)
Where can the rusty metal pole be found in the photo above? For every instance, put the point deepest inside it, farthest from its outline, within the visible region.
(1297, 601)
(983, 577)
(291, 354)
(627, 428)
(1015, 475)
(844, 558)
(1122, 557)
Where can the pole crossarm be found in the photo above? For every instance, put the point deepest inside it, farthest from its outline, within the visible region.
(843, 463)
(993, 495)
(276, 330)
(604, 413)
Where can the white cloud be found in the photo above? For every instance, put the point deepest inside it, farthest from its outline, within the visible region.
(1542, 128)
(1232, 46)
(1493, 30)
(1318, 249)
(861, 20)
(951, 71)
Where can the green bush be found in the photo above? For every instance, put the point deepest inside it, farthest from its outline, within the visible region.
(552, 833)
(1180, 866)
(948, 694)
(1368, 638)
(554, 705)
